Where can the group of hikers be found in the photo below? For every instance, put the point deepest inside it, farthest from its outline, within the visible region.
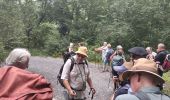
(140, 78)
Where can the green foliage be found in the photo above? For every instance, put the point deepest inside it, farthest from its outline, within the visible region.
(3, 52)
(11, 26)
(167, 84)
(52, 24)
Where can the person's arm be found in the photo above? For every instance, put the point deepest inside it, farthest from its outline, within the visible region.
(89, 81)
(65, 77)
(68, 87)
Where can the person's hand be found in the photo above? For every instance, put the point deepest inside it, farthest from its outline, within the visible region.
(93, 90)
(72, 93)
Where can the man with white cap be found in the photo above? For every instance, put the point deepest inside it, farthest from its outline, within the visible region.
(144, 79)
(75, 80)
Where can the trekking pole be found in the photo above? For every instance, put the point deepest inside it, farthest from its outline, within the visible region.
(92, 93)
(95, 60)
(109, 80)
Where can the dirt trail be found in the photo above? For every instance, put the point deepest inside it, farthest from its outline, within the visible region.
(49, 67)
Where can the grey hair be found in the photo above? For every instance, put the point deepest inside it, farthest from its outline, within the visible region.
(161, 45)
(20, 55)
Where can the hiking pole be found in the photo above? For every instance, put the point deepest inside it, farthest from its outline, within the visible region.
(109, 82)
(91, 91)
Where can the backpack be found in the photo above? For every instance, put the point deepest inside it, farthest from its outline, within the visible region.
(108, 54)
(166, 63)
(67, 55)
(117, 60)
(71, 67)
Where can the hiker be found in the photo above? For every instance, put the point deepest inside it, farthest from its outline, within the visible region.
(143, 78)
(109, 52)
(102, 50)
(151, 55)
(75, 80)
(117, 59)
(69, 52)
(160, 57)
(118, 49)
(135, 53)
(19, 84)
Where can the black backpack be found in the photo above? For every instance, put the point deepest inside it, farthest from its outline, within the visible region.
(71, 67)
(67, 55)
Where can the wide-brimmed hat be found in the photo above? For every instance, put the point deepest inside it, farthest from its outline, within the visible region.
(128, 66)
(82, 50)
(138, 51)
(146, 66)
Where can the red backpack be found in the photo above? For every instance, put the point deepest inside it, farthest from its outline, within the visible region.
(166, 64)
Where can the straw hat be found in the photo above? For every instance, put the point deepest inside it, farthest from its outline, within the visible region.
(146, 66)
(82, 50)
(128, 66)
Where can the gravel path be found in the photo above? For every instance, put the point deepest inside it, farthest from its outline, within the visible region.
(49, 67)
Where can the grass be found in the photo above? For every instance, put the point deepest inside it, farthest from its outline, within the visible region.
(166, 77)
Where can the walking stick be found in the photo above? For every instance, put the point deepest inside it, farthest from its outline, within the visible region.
(91, 91)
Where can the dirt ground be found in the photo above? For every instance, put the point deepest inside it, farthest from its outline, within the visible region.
(49, 67)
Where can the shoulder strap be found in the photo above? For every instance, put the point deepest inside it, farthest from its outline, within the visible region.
(142, 96)
(86, 63)
(72, 63)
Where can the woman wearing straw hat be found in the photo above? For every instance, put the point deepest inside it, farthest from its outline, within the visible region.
(75, 80)
(144, 79)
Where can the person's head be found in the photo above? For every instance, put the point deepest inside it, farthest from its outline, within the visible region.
(71, 45)
(119, 47)
(137, 52)
(109, 45)
(104, 43)
(149, 50)
(82, 53)
(143, 74)
(18, 57)
(160, 47)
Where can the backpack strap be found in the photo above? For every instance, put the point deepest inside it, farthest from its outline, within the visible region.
(72, 63)
(142, 96)
(86, 63)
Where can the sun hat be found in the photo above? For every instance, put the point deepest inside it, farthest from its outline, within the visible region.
(146, 66)
(82, 50)
(138, 51)
(127, 66)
